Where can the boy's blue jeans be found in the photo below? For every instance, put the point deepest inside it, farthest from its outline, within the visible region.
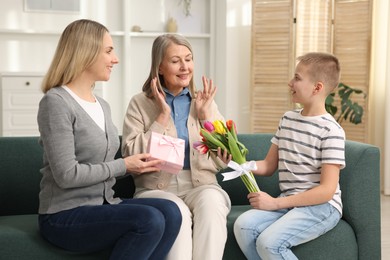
(135, 228)
(271, 234)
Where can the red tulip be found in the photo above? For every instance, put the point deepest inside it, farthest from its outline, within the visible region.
(229, 124)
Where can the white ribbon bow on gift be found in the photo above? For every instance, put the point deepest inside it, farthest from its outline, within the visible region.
(176, 144)
(239, 170)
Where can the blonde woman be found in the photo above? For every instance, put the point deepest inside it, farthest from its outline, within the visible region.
(78, 210)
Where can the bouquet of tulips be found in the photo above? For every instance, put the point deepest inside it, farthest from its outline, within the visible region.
(218, 134)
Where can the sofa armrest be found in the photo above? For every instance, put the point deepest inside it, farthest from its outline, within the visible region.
(360, 187)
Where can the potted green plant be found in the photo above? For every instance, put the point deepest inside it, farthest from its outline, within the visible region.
(349, 109)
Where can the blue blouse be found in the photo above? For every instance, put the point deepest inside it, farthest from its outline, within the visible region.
(180, 109)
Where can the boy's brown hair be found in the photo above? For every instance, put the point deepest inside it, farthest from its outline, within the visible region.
(323, 67)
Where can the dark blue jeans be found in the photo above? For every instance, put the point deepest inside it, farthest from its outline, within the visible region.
(135, 228)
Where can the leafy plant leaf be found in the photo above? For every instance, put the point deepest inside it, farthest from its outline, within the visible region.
(350, 110)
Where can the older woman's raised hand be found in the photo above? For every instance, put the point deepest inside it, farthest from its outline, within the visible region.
(163, 117)
(205, 98)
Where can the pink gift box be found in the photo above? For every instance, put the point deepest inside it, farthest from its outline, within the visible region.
(168, 149)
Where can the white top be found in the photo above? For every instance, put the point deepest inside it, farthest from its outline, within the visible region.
(304, 144)
(93, 109)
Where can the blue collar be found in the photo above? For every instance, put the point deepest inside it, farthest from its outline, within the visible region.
(185, 91)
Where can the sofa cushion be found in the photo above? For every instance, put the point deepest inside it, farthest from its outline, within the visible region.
(341, 239)
(22, 230)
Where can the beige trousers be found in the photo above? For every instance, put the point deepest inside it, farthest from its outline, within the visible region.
(204, 210)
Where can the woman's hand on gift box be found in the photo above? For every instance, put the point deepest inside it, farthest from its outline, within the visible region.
(138, 164)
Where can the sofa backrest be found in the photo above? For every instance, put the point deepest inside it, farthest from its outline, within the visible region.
(21, 160)
(20, 164)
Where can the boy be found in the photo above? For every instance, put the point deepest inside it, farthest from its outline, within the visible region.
(308, 150)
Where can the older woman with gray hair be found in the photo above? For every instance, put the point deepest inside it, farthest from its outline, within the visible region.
(170, 105)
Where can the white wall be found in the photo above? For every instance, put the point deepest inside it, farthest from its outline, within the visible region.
(238, 71)
(28, 40)
(34, 51)
(233, 62)
(381, 82)
(379, 110)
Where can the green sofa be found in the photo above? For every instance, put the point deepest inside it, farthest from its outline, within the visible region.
(357, 236)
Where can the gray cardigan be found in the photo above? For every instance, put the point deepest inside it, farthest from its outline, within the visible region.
(78, 160)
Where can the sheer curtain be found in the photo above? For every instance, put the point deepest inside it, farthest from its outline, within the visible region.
(313, 26)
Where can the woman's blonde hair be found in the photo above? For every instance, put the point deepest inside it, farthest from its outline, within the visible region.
(159, 48)
(77, 49)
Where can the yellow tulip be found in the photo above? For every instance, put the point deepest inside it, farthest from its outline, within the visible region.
(219, 127)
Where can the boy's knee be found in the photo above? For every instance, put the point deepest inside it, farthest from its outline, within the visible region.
(270, 245)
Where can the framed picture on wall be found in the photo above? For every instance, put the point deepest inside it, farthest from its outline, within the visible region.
(52, 6)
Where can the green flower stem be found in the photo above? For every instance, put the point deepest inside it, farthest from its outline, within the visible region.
(249, 185)
(234, 150)
(233, 132)
(212, 139)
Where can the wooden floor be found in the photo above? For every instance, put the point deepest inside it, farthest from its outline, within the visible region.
(385, 227)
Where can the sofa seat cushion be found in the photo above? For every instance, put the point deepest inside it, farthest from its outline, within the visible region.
(21, 232)
(339, 243)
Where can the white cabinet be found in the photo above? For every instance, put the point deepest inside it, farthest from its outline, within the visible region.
(20, 96)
